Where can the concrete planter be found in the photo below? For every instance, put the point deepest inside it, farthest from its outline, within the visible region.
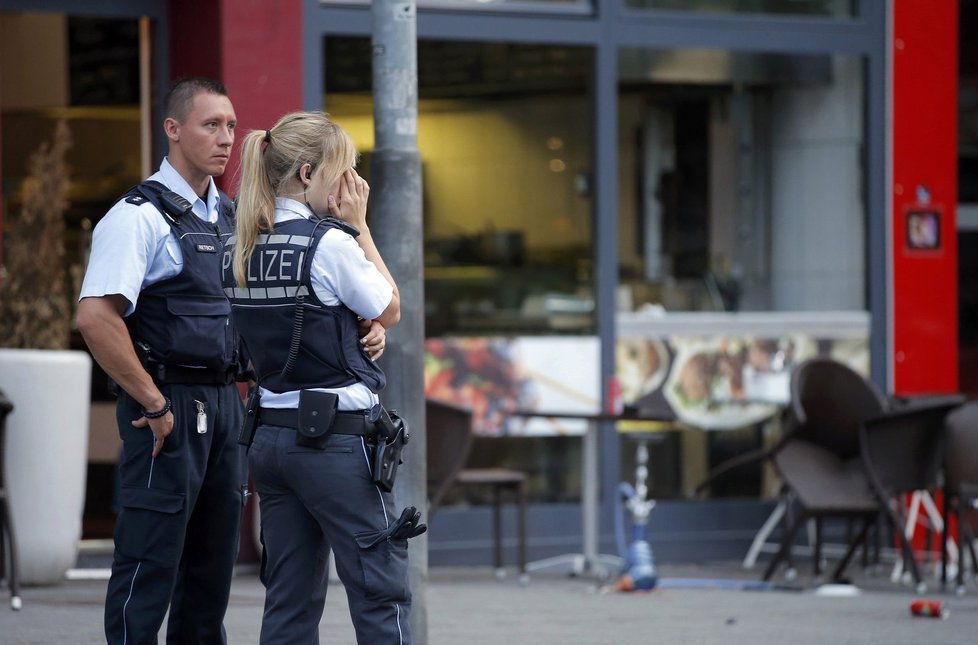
(46, 456)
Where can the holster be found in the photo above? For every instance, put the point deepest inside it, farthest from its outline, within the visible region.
(393, 434)
(317, 413)
(247, 433)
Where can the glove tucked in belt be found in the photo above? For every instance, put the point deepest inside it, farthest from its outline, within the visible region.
(407, 526)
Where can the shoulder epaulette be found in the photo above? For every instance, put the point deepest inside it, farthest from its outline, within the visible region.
(135, 198)
(343, 226)
(169, 203)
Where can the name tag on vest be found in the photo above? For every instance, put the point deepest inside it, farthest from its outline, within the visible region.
(206, 248)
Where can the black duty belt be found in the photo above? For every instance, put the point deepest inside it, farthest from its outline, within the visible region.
(355, 423)
(175, 374)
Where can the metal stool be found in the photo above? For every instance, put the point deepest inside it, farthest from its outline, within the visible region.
(449, 442)
(8, 543)
(500, 479)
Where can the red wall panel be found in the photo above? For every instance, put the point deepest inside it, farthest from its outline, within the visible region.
(253, 46)
(924, 191)
(262, 63)
(195, 38)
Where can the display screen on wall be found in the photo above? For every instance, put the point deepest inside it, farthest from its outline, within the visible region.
(923, 230)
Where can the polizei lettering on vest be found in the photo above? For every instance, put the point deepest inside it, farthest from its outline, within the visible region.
(272, 265)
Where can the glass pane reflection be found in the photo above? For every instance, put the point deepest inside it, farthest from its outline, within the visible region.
(741, 182)
(504, 133)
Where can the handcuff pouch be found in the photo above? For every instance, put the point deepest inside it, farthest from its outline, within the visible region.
(317, 414)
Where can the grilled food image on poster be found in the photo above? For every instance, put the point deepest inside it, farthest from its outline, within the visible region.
(728, 382)
(641, 365)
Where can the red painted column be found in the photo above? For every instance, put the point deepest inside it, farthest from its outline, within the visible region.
(924, 82)
(253, 46)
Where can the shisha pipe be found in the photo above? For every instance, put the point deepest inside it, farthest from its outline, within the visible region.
(639, 573)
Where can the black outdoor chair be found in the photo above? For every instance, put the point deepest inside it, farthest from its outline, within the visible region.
(961, 487)
(449, 442)
(902, 452)
(852, 452)
(817, 457)
(8, 542)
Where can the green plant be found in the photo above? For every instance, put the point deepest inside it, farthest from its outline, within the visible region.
(35, 305)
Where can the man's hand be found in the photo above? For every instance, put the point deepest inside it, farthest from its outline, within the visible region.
(373, 337)
(161, 428)
(101, 324)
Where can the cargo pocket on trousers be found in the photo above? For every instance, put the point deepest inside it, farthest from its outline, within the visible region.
(151, 524)
(384, 565)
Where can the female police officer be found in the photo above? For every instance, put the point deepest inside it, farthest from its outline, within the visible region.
(304, 274)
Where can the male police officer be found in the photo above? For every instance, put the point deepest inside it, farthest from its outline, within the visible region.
(155, 318)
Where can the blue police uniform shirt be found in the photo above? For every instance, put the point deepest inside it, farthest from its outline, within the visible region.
(132, 247)
(340, 274)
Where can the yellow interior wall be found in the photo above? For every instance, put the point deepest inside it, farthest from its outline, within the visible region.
(487, 165)
(34, 48)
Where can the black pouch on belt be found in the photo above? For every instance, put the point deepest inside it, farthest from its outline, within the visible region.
(317, 413)
(393, 434)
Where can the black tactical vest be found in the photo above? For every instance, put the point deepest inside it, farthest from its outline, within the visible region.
(186, 320)
(295, 341)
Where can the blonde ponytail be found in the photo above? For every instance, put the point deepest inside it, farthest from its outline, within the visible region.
(270, 160)
(256, 202)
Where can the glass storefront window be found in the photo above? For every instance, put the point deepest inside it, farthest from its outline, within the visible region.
(741, 182)
(967, 210)
(742, 236)
(504, 133)
(968, 107)
(84, 71)
(813, 8)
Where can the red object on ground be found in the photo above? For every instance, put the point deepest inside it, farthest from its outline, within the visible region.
(928, 608)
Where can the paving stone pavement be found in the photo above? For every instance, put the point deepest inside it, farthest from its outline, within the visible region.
(695, 604)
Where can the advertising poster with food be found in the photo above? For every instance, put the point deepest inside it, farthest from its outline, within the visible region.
(713, 383)
(706, 381)
(498, 376)
(722, 382)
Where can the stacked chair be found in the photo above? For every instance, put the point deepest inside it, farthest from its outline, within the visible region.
(847, 452)
(961, 486)
(818, 458)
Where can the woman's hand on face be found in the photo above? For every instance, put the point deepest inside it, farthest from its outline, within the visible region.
(373, 337)
(351, 203)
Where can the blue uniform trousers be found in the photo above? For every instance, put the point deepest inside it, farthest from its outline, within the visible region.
(176, 536)
(315, 500)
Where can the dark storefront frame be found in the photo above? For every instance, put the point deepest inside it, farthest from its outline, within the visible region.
(611, 27)
(157, 11)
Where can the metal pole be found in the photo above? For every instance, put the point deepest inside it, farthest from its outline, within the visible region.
(395, 223)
